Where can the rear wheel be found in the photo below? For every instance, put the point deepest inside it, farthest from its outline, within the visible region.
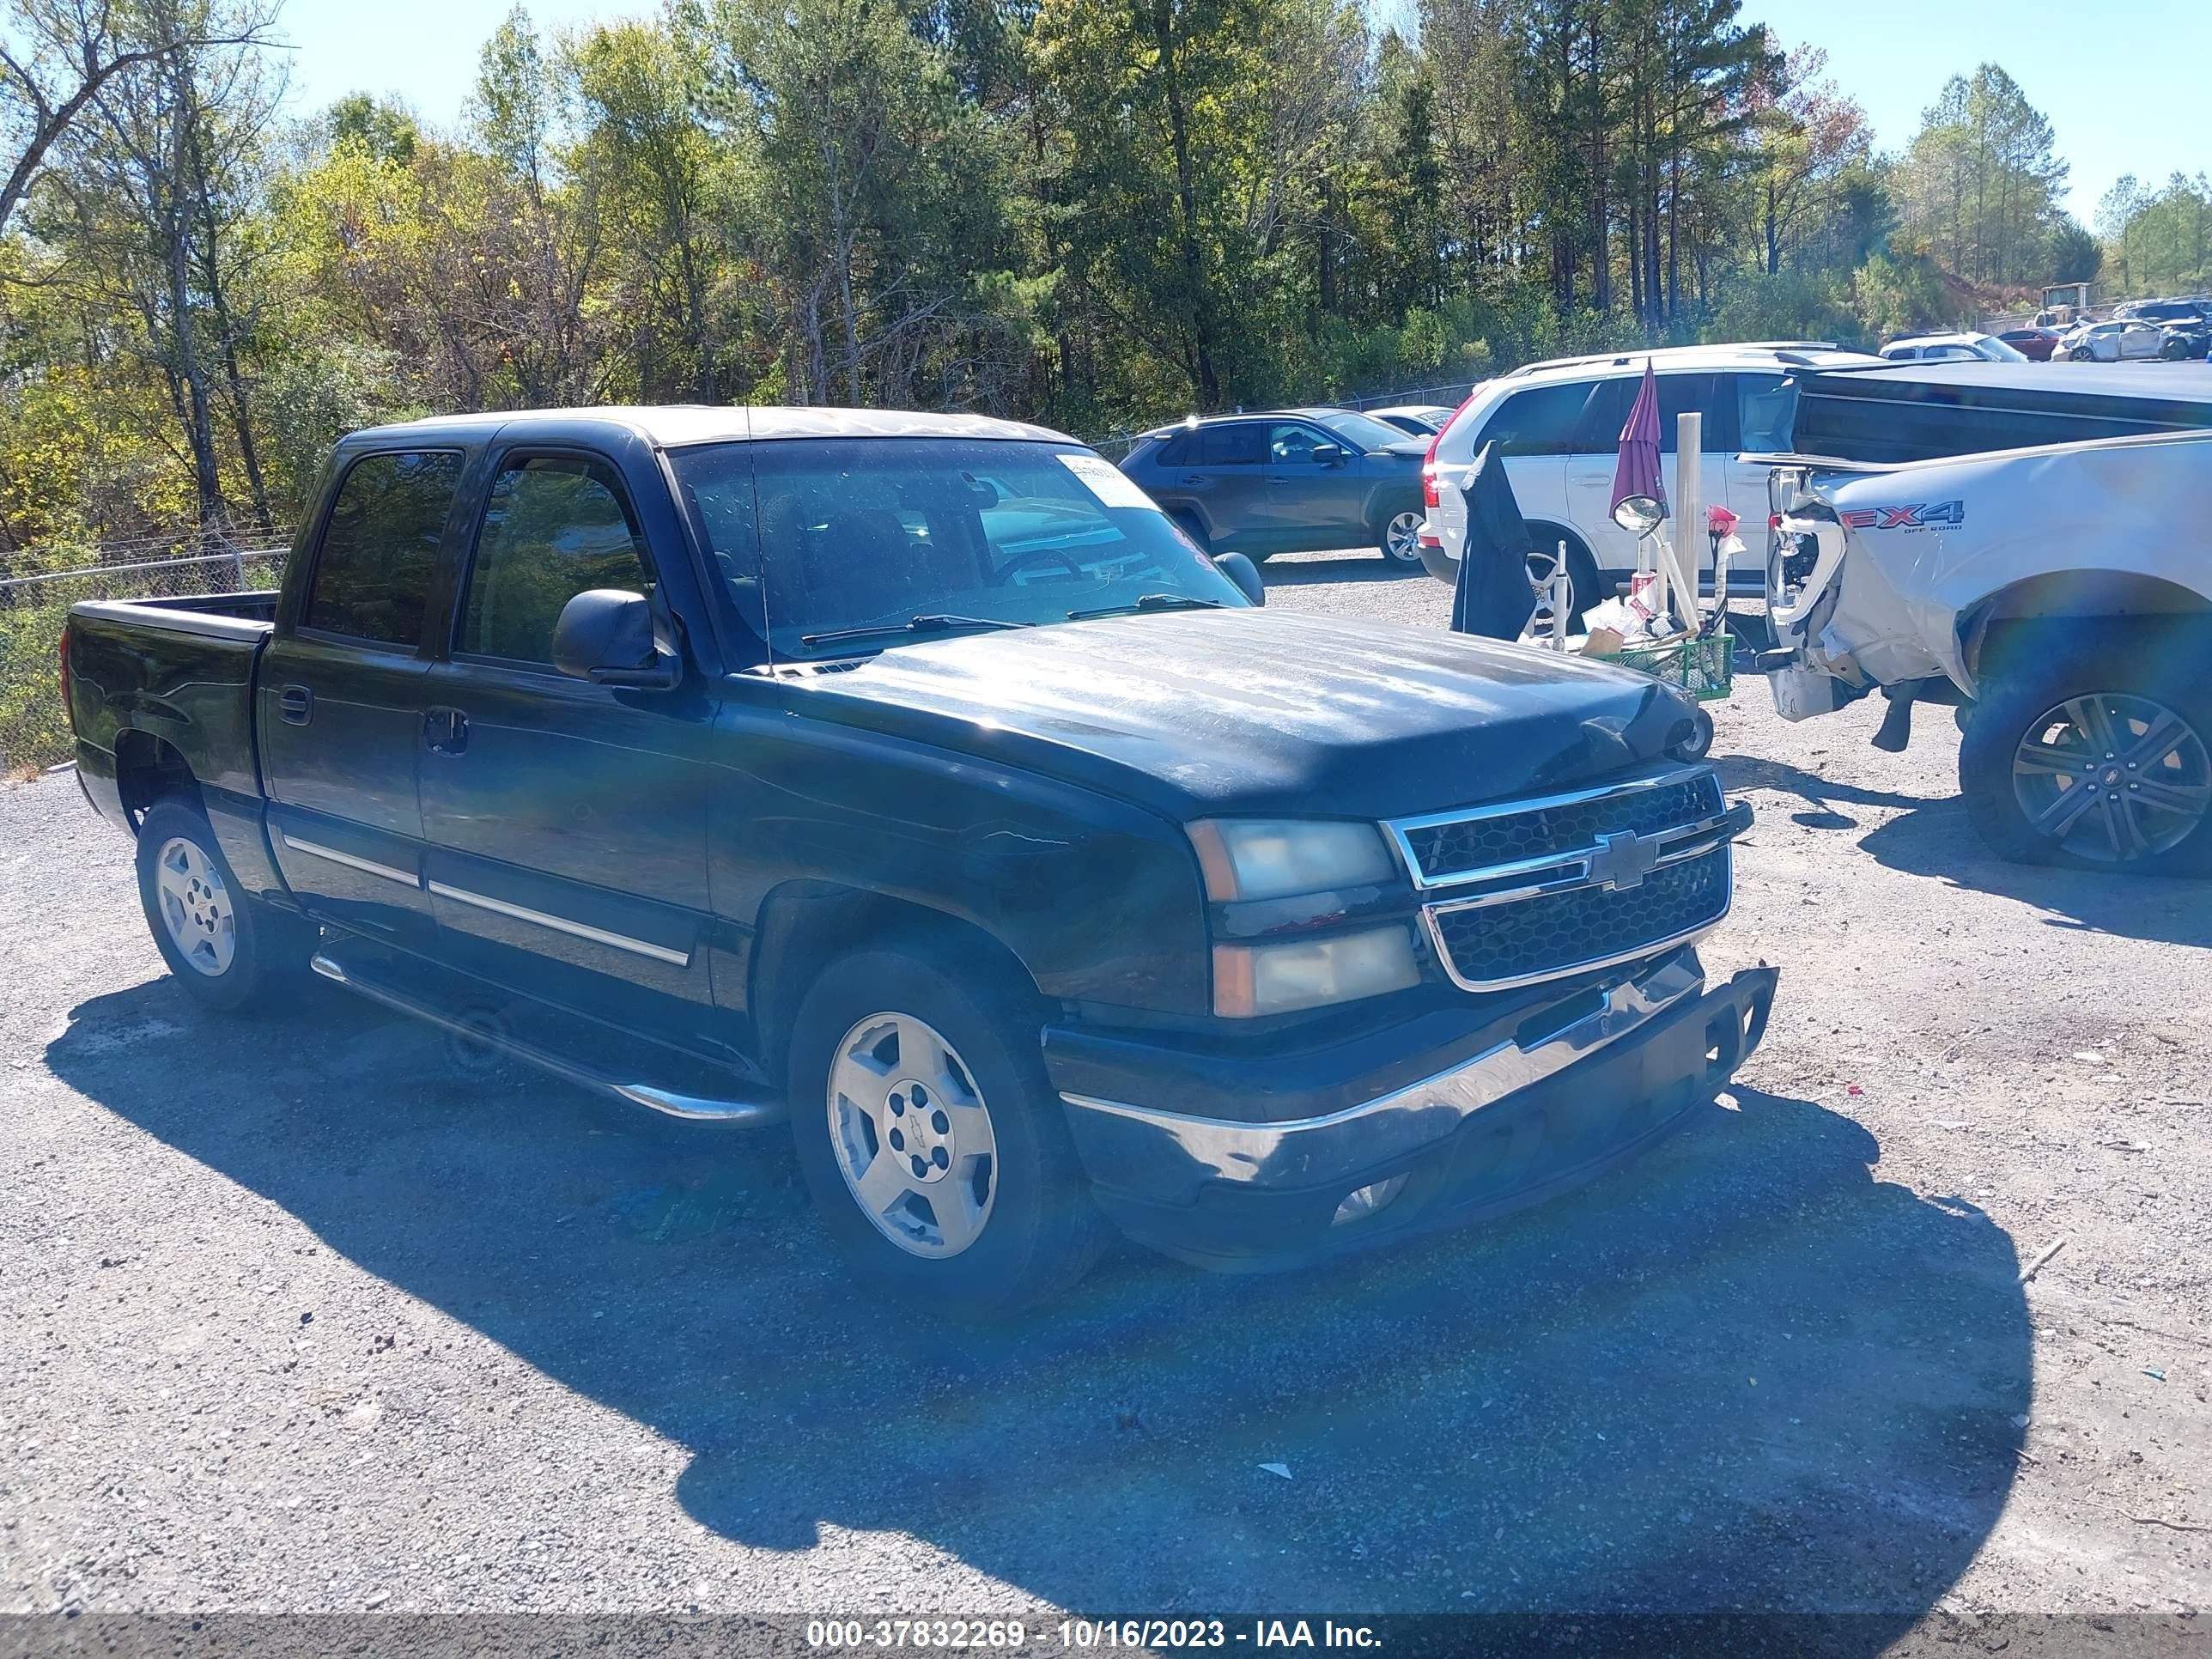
(2102, 763)
(1584, 585)
(930, 1139)
(1400, 539)
(230, 951)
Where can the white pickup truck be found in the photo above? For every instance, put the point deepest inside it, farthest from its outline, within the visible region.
(2060, 597)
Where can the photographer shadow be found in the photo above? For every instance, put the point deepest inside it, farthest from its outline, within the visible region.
(1738, 1372)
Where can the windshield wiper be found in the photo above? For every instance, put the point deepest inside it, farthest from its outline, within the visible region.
(1149, 602)
(930, 622)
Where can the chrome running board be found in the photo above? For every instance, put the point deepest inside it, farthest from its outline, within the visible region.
(755, 1111)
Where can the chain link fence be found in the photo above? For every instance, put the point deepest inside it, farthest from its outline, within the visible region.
(34, 730)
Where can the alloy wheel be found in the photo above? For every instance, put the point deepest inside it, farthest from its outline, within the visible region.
(1401, 538)
(2113, 777)
(1542, 565)
(195, 906)
(912, 1135)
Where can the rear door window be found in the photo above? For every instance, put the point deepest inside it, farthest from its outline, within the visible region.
(1541, 420)
(1603, 416)
(1243, 443)
(1682, 394)
(555, 526)
(380, 545)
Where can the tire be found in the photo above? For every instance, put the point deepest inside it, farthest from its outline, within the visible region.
(2116, 716)
(1584, 586)
(1398, 537)
(917, 1022)
(2081, 355)
(231, 952)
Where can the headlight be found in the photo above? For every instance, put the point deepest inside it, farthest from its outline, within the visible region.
(1272, 858)
(1251, 980)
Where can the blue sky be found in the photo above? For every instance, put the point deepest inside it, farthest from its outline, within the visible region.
(2125, 92)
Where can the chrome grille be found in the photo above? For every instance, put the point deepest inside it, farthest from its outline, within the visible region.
(1536, 889)
(1441, 850)
(1543, 937)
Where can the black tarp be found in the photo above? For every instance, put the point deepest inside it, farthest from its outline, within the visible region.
(1492, 597)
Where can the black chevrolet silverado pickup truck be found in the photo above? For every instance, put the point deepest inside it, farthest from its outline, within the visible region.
(912, 780)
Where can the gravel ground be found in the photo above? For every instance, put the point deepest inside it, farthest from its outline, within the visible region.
(307, 1315)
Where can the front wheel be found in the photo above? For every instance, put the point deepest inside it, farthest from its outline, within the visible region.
(2081, 355)
(230, 951)
(2102, 764)
(1400, 540)
(930, 1138)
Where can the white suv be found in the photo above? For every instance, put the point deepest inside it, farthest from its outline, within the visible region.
(1951, 347)
(1557, 425)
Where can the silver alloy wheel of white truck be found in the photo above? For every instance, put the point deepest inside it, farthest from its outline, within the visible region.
(2111, 776)
(912, 1135)
(195, 906)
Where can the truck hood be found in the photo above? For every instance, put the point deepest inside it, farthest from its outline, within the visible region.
(1199, 712)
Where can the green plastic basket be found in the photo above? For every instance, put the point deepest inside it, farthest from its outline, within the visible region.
(1705, 668)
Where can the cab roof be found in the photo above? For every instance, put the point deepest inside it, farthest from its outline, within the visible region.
(672, 426)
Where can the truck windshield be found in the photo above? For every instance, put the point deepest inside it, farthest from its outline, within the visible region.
(833, 546)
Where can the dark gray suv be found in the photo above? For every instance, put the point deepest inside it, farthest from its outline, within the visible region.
(1295, 481)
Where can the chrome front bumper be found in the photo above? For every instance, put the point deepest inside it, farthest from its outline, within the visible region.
(1519, 1122)
(1312, 1151)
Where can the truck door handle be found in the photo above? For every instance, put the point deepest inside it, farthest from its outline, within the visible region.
(296, 704)
(1191, 478)
(446, 731)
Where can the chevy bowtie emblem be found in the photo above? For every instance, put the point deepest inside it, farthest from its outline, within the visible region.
(1623, 859)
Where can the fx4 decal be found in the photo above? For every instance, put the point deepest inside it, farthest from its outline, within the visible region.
(1919, 516)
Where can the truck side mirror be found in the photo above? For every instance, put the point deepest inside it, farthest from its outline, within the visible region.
(1246, 574)
(1329, 454)
(607, 636)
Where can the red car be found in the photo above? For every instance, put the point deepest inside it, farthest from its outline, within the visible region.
(2036, 343)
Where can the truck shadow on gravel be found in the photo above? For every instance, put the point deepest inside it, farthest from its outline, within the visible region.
(1740, 1372)
(1932, 837)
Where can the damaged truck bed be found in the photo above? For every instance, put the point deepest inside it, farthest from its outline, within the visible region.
(2060, 597)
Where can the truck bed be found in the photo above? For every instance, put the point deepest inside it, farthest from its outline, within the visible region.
(211, 616)
(174, 672)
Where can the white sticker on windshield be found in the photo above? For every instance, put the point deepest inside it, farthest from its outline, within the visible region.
(1107, 482)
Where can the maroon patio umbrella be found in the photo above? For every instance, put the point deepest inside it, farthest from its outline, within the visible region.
(1637, 470)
